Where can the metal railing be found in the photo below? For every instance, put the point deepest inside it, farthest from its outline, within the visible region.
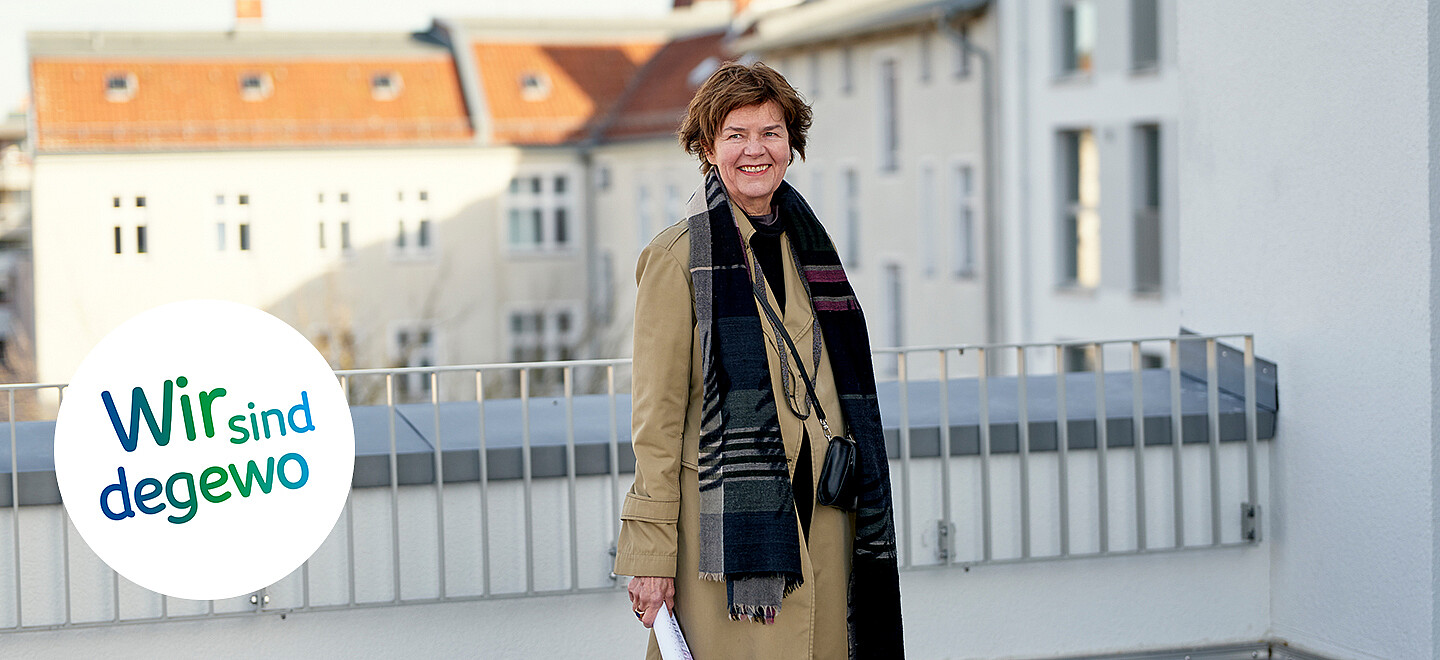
(1021, 504)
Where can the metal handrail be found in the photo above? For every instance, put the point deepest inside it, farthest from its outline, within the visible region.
(1002, 507)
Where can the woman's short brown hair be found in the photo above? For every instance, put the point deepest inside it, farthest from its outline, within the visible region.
(735, 85)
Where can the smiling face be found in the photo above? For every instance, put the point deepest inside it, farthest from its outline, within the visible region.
(751, 151)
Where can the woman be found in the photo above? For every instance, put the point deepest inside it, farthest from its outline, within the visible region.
(713, 528)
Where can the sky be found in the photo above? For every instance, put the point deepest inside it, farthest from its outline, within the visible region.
(19, 16)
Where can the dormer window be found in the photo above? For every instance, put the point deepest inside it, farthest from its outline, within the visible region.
(534, 86)
(256, 86)
(385, 86)
(120, 87)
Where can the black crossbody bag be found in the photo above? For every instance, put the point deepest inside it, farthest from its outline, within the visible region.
(838, 480)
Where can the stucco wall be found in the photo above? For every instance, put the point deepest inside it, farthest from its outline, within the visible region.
(1307, 218)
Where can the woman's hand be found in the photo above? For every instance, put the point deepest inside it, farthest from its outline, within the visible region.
(646, 595)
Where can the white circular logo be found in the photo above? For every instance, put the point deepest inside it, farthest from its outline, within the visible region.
(204, 449)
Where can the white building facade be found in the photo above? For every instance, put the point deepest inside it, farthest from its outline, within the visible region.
(897, 163)
(1091, 96)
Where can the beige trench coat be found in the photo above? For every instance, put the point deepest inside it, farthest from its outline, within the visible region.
(659, 533)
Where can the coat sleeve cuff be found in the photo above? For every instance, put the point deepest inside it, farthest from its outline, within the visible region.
(646, 548)
(645, 509)
(645, 565)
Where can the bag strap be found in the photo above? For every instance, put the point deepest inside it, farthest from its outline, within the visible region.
(779, 327)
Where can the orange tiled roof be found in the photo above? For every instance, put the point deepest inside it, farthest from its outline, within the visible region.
(584, 83)
(196, 103)
(658, 100)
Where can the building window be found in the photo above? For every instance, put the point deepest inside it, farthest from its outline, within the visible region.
(671, 209)
(925, 63)
(141, 244)
(847, 70)
(115, 202)
(642, 216)
(1077, 36)
(339, 350)
(424, 195)
(1080, 358)
(1144, 34)
(243, 200)
(1079, 213)
(534, 86)
(562, 226)
(889, 119)
(852, 218)
(220, 216)
(385, 86)
(120, 86)
(344, 198)
(540, 217)
(964, 263)
(422, 235)
(245, 236)
(117, 241)
(400, 236)
(544, 333)
(322, 235)
(413, 345)
(345, 235)
(256, 86)
(140, 202)
(1148, 262)
(962, 54)
(927, 244)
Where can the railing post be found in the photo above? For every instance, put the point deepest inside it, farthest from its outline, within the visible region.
(1250, 515)
(1177, 444)
(944, 542)
(1212, 389)
(1137, 422)
(1022, 438)
(439, 482)
(484, 486)
(1062, 447)
(901, 369)
(987, 541)
(1102, 447)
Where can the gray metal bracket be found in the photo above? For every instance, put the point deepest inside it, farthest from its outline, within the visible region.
(1250, 522)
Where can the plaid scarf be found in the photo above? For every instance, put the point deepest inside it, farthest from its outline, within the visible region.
(748, 533)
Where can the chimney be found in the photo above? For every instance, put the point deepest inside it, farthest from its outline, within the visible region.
(248, 13)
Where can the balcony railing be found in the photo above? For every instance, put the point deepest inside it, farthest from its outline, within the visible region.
(506, 481)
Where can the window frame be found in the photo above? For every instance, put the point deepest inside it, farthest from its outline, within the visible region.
(1070, 212)
(888, 99)
(963, 233)
(529, 204)
(1068, 39)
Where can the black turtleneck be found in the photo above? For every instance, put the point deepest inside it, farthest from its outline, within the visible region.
(765, 243)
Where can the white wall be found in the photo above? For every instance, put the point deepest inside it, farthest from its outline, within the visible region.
(1308, 217)
(83, 289)
(1111, 100)
(1032, 609)
(939, 126)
